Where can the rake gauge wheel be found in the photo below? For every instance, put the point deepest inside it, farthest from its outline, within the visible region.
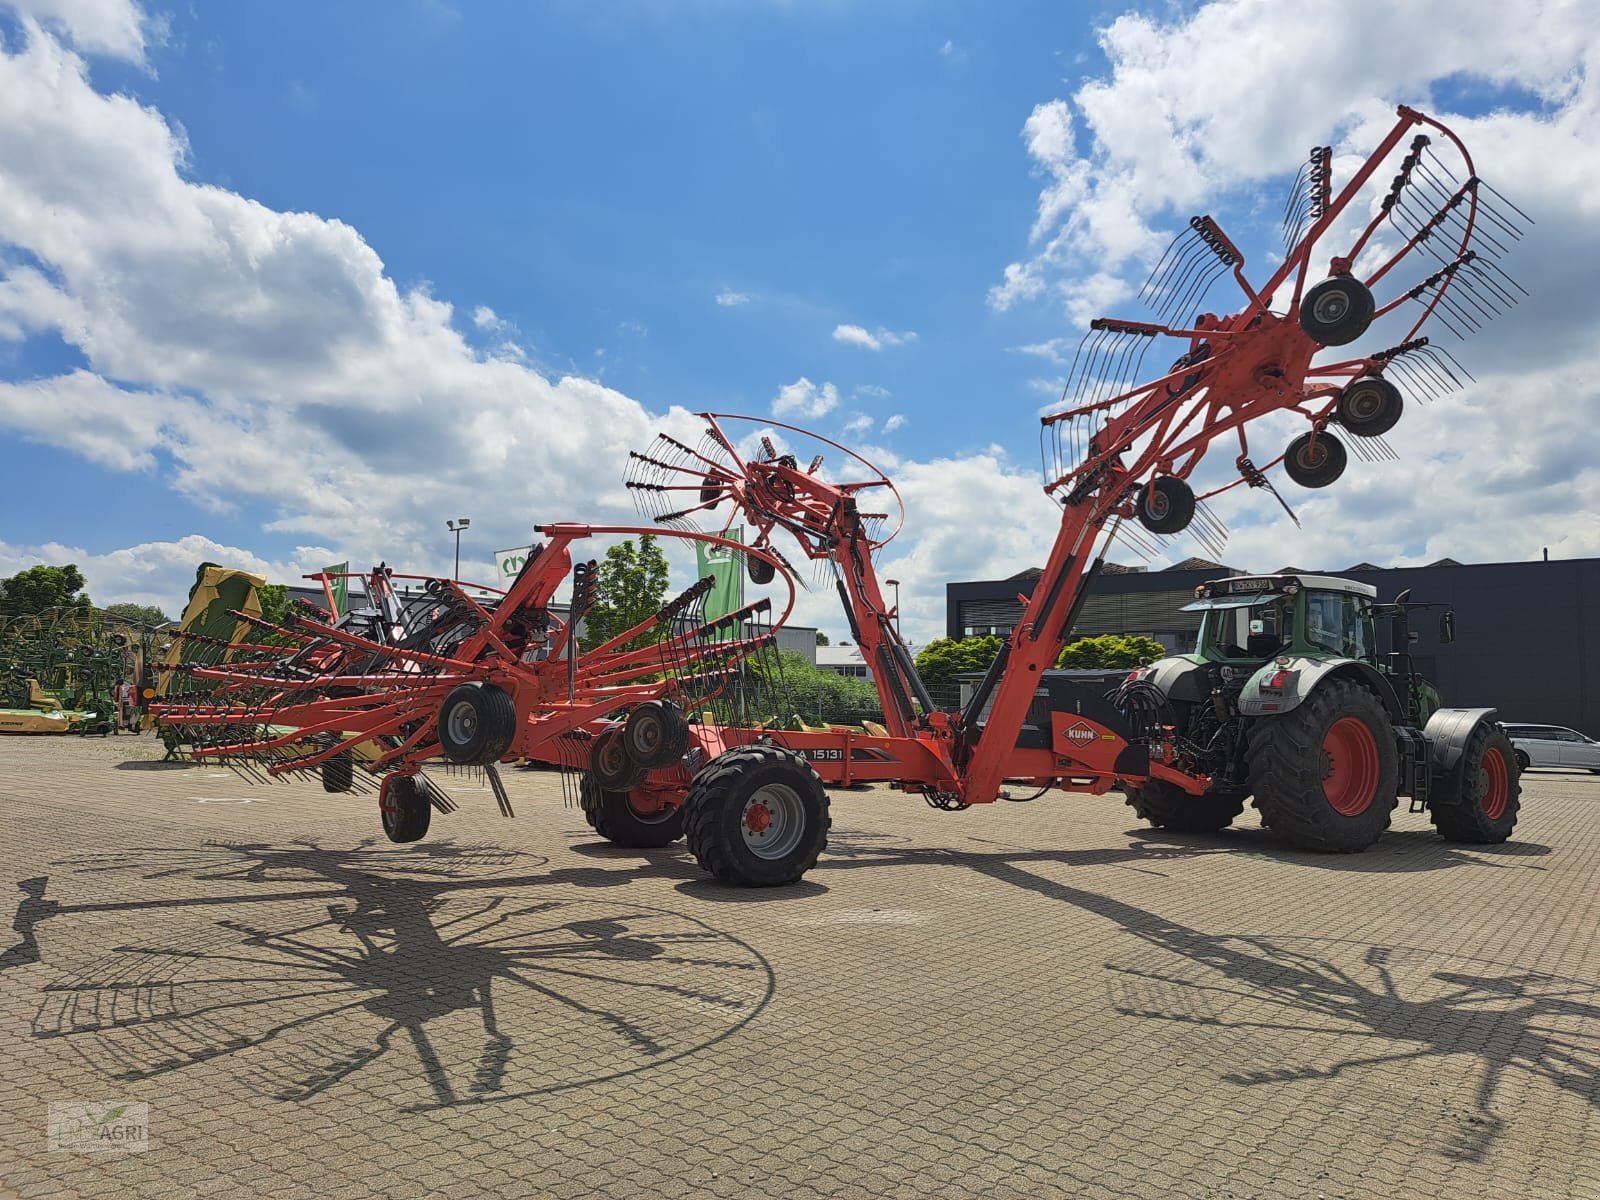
(655, 734)
(1370, 406)
(1315, 463)
(405, 808)
(1337, 311)
(760, 570)
(477, 723)
(1165, 505)
(613, 768)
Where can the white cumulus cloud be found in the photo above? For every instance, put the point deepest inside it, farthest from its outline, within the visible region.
(855, 335)
(805, 399)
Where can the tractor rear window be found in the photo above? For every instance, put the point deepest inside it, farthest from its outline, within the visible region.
(1340, 624)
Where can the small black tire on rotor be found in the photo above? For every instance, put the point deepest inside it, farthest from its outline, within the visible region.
(712, 490)
(655, 734)
(761, 572)
(1167, 806)
(757, 816)
(1165, 505)
(339, 774)
(1314, 460)
(1337, 311)
(612, 766)
(405, 808)
(615, 817)
(477, 724)
(1370, 406)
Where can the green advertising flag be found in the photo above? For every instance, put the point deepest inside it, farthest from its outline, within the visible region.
(722, 564)
(340, 587)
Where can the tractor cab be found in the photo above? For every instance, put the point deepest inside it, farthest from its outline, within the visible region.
(1253, 619)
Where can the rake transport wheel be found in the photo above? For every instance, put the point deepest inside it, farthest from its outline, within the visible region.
(477, 723)
(1165, 505)
(1370, 406)
(1337, 311)
(1325, 773)
(1315, 463)
(405, 808)
(1167, 806)
(1490, 791)
(655, 734)
(622, 821)
(338, 774)
(757, 816)
(613, 767)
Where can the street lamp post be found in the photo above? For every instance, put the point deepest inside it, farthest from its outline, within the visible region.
(455, 527)
(895, 584)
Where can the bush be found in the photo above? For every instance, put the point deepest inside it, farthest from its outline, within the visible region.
(1111, 652)
(941, 661)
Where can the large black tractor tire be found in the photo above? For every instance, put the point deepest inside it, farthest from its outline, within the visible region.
(1315, 463)
(1370, 406)
(1485, 811)
(477, 723)
(613, 816)
(406, 810)
(1325, 774)
(655, 734)
(757, 816)
(1165, 505)
(338, 774)
(613, 768)
(1337, 311)
(1167, 806)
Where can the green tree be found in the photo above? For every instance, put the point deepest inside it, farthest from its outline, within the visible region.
(138, 614)
(631, 586)
(274, 601)
(822, 638)
(813, 694)
(1111, 652)
(42, 587)
(942, 660)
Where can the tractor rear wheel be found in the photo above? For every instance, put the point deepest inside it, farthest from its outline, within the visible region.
(757, 816)
(615, 817)
(1485, 810)
(405, 808)
(1337, 311)
(1167, 806)
(1325, 773)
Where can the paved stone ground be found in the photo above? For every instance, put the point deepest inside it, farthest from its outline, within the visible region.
(1026, 1000)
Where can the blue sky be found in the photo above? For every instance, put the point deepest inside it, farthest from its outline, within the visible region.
(295, 283)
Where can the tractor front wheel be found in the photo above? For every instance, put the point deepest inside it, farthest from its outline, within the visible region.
(1484, 810)
(757, 816)
(1167, 806)
(616, 817)
(1325, 773)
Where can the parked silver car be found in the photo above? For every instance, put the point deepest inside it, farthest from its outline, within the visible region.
(1554, 746)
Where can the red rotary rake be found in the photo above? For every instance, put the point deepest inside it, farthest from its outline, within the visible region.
(1119, 459)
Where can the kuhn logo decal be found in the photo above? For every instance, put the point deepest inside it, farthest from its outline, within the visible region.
(1080, 733)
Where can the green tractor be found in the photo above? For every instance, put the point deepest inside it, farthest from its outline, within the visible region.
(1285, 700)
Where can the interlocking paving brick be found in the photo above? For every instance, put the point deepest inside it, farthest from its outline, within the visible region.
(1020, 1001)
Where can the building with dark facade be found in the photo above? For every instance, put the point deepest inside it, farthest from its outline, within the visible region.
(1527, 635)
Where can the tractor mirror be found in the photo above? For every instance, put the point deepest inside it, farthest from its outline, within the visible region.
(1447, 628)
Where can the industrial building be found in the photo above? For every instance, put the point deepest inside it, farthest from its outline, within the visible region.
(1527, 640)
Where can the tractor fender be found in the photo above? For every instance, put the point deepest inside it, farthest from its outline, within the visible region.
(1302, 677)
(1182, 677)
(1448, 731)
